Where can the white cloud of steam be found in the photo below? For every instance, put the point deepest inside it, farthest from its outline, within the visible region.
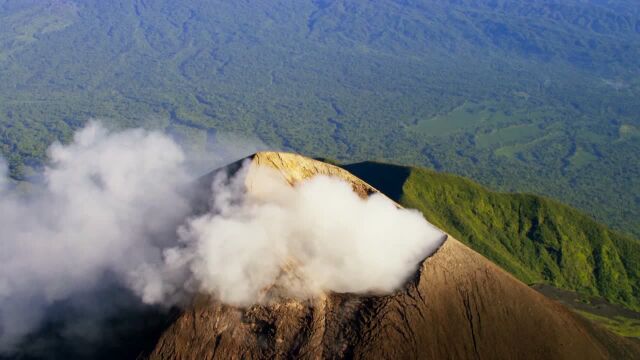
(298, 241)
(117, 204)
(109, 202)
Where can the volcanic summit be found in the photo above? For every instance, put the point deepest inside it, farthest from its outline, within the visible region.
(458, 305)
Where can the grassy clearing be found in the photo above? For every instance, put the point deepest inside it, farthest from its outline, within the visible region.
(465, 117)
(619, 325)
(509, 135)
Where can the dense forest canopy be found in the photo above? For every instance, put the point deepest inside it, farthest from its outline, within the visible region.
(527, 95)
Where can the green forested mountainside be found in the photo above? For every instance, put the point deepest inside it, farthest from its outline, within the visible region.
(536, 239)
(528, 95)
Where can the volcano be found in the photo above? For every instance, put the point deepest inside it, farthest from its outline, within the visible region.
(458, 305)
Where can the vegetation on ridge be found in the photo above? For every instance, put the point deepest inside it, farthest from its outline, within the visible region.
(538, 240)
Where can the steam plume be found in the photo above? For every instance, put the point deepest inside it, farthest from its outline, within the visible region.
(109, 202)
(117, 206)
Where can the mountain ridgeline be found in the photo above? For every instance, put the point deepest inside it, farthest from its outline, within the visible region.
(534, 238)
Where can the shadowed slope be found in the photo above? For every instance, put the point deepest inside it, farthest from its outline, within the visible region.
(388, 178)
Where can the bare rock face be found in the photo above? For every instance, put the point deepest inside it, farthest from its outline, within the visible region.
(459, 305)
(295, 168)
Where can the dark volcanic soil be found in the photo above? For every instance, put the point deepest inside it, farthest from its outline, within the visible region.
(460, 306)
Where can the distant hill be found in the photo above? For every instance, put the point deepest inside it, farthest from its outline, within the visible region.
(537, 239)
